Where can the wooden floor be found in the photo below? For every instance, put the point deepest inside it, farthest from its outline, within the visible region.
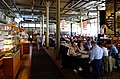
(25, 67)
(24, 71)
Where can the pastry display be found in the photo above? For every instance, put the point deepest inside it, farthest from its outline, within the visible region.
(9, 39)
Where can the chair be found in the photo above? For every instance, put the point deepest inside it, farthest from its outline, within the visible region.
(65, 58)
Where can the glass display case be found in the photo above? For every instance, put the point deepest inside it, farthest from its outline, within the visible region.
(9, 41)
(10, 47)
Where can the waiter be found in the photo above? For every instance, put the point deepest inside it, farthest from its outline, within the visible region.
(96, 60)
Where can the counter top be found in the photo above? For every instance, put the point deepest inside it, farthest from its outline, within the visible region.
(11, 55)
(24, 41)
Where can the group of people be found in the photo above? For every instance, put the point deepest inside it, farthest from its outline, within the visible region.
(102, 56)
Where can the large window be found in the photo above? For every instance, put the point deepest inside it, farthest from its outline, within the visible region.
(32, 25)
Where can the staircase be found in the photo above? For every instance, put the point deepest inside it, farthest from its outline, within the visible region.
(110, 23)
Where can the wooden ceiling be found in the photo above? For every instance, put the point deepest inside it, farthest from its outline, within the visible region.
(35, 8)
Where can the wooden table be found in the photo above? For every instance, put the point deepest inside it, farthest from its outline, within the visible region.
(81, 60)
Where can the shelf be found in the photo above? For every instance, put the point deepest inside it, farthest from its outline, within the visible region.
(5, 30)
(9, 36)
(10, 49)
(12, 55)
(10, 43)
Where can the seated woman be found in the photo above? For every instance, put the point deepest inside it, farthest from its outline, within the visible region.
(73, 49)
(68, 43)
(78, 63)
(81, 46)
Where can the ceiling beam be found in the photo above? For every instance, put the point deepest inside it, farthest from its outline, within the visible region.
(29, 6)
(64, 1)
(96, 5)
(7, 6)
(76, 4)
(66, 5)
(73, 6)
(13, 3)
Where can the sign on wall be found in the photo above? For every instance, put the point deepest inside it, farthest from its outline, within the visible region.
(84, 25)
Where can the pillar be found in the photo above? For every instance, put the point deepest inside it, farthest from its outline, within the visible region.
(40, 30)
(47, 23)
(57, 28)
(43, 24)
(28, 27)
(98, 22)
(81, 25)
(35, 25)
(71, 28)
(115, 4)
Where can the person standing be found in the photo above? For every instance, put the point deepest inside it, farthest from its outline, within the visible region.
(39, 41)
(105, 56)
(96, 55)
(43, 40)
(113, 53)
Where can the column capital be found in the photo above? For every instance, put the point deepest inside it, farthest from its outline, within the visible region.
(47, 3)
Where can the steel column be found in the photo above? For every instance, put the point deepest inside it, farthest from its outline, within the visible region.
(58, 28)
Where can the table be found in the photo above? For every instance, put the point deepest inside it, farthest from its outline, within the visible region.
(80, 60)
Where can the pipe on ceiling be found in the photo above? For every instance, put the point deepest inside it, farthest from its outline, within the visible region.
(13, 2)
(75, 4)
(7, 6)
(66, 5)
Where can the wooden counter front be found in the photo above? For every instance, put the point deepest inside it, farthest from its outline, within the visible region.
(24, 47)
(11, 65)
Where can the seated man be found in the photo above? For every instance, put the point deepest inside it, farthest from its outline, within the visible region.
(88, 45)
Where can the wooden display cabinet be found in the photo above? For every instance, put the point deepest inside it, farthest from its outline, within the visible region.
(11, 65)
(1, 66)
(25, 46)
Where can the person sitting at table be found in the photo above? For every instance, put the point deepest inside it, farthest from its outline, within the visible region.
(72, 53)
(96, 55)
(88, 45)
(73, 49)
(68, 43)
(81, 46)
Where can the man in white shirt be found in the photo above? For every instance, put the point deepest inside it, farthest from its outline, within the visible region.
(96, 60)
(105, 56)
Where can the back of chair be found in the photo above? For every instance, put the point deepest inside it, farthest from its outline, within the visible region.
(65, 58)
